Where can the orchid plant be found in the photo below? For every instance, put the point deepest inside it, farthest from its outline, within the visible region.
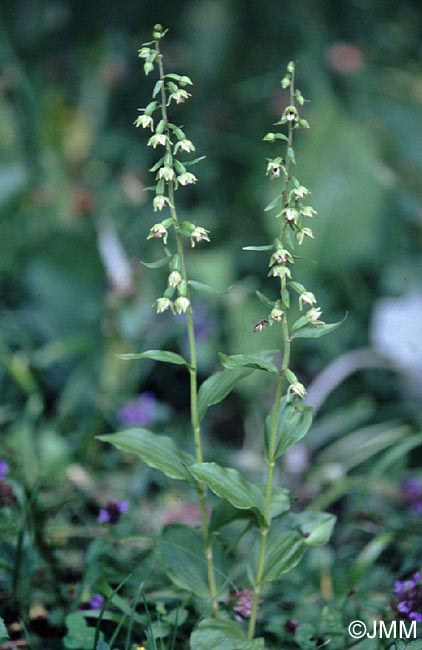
(197, 561)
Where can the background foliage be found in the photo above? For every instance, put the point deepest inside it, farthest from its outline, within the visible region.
(73, 220)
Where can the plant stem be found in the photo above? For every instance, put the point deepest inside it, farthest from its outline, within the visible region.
(277, 402)
(195, 420)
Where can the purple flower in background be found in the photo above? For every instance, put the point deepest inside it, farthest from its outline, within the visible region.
(412, 495)
(112, 513)
(96, 602)
(243, 604)
(4, 469)
(139, 412)
(408, 598)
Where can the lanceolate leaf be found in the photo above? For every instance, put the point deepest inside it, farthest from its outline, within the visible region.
(266, 301)
(182, 551)
(315, 332)
(267, 247)
(157, 355)
(218, 386)
(158, 263)
(316, 527)
(284, 551)
(225, 513)
(293, 423)
(229, 484)
(160, 452)
(253, 361)
(204, 288)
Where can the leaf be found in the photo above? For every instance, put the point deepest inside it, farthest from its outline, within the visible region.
(313, 332)
(284, 551)
(229, 484)
(247, 361)
(306, 637)
(79, 635)
(274, 203)
(222, 634)
(268, 247)
(265, 301)
(182, 550)
(214, 389)
(160, 452)
(189, 163)
(316, 527)
(4, 634)
(157, 88)
(156, 355)
(293, 423)
(204, 288)
(158, 264)
(225, 513)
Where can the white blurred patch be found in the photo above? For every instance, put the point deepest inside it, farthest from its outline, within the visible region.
(115, 260)
(396, 332)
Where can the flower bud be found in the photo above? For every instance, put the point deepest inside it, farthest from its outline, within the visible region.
(187, 178)
(281, 256)
(158, 231)
(280, 271)
(276, 315)
(163, 304)
(198, 234)
(297, 389)
(159, 202)
(307, 298)
(174, 279)
(181, 304)
(313, 315)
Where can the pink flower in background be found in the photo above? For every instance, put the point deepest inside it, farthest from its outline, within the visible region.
(345, 58)
(243, 604)
(184, 513)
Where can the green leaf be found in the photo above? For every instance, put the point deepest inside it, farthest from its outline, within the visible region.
(182, 550)
(204, 288)
(156, 355)
(229, 484)
(268, 247)
(4, 634)
(274, 203)
(222, 634)
(291, 155)
(265, 301)
(284, 551)
(306, 636)
(160, 452)
(293, 423)
(158, 264)
(225, 513)
(157, 88)
(79, 635)
(316, 527)
(189, 163)
(214, 389)
(253, 361)
(315, 332)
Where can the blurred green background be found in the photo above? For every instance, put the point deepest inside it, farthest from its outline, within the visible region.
(74, 214)
(74, 217)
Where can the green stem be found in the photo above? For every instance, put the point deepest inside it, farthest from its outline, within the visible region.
(277, 402)
(195, 420)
